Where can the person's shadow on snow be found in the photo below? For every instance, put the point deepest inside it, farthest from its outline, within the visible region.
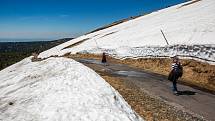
(186, 92)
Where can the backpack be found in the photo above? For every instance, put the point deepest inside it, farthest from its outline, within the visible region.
(170, 77)
(180, 70)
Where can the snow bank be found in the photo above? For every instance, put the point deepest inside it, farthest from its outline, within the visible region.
(59, 89)
(191, 24)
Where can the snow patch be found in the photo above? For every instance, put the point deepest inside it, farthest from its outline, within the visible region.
(191, 25)
(59, 89)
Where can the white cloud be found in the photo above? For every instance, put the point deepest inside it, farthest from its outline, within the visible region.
(64, 16)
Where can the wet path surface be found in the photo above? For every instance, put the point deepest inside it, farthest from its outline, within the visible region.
(195, 100)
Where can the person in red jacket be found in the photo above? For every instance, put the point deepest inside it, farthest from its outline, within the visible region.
(104, 60)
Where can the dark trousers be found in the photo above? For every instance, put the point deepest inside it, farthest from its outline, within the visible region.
(174, 86)
(174, 82)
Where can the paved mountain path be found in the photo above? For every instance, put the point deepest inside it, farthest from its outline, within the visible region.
(194, 100)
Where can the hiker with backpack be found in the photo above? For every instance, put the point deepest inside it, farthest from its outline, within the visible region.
(176, 72)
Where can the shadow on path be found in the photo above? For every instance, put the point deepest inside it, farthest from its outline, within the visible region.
(186, 92)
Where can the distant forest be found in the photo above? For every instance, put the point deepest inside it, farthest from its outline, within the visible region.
(12, 52)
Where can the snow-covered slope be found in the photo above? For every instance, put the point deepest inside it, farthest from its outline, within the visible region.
(185, 25)
(59, 89)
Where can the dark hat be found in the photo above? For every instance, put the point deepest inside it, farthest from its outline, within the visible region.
(175, 58)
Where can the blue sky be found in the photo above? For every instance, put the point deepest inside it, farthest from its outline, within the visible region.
(54, 19)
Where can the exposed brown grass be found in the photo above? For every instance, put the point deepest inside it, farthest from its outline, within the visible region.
(108, 34)
(196, 73)
(115, 23)
(192, 2)
(76, 44)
